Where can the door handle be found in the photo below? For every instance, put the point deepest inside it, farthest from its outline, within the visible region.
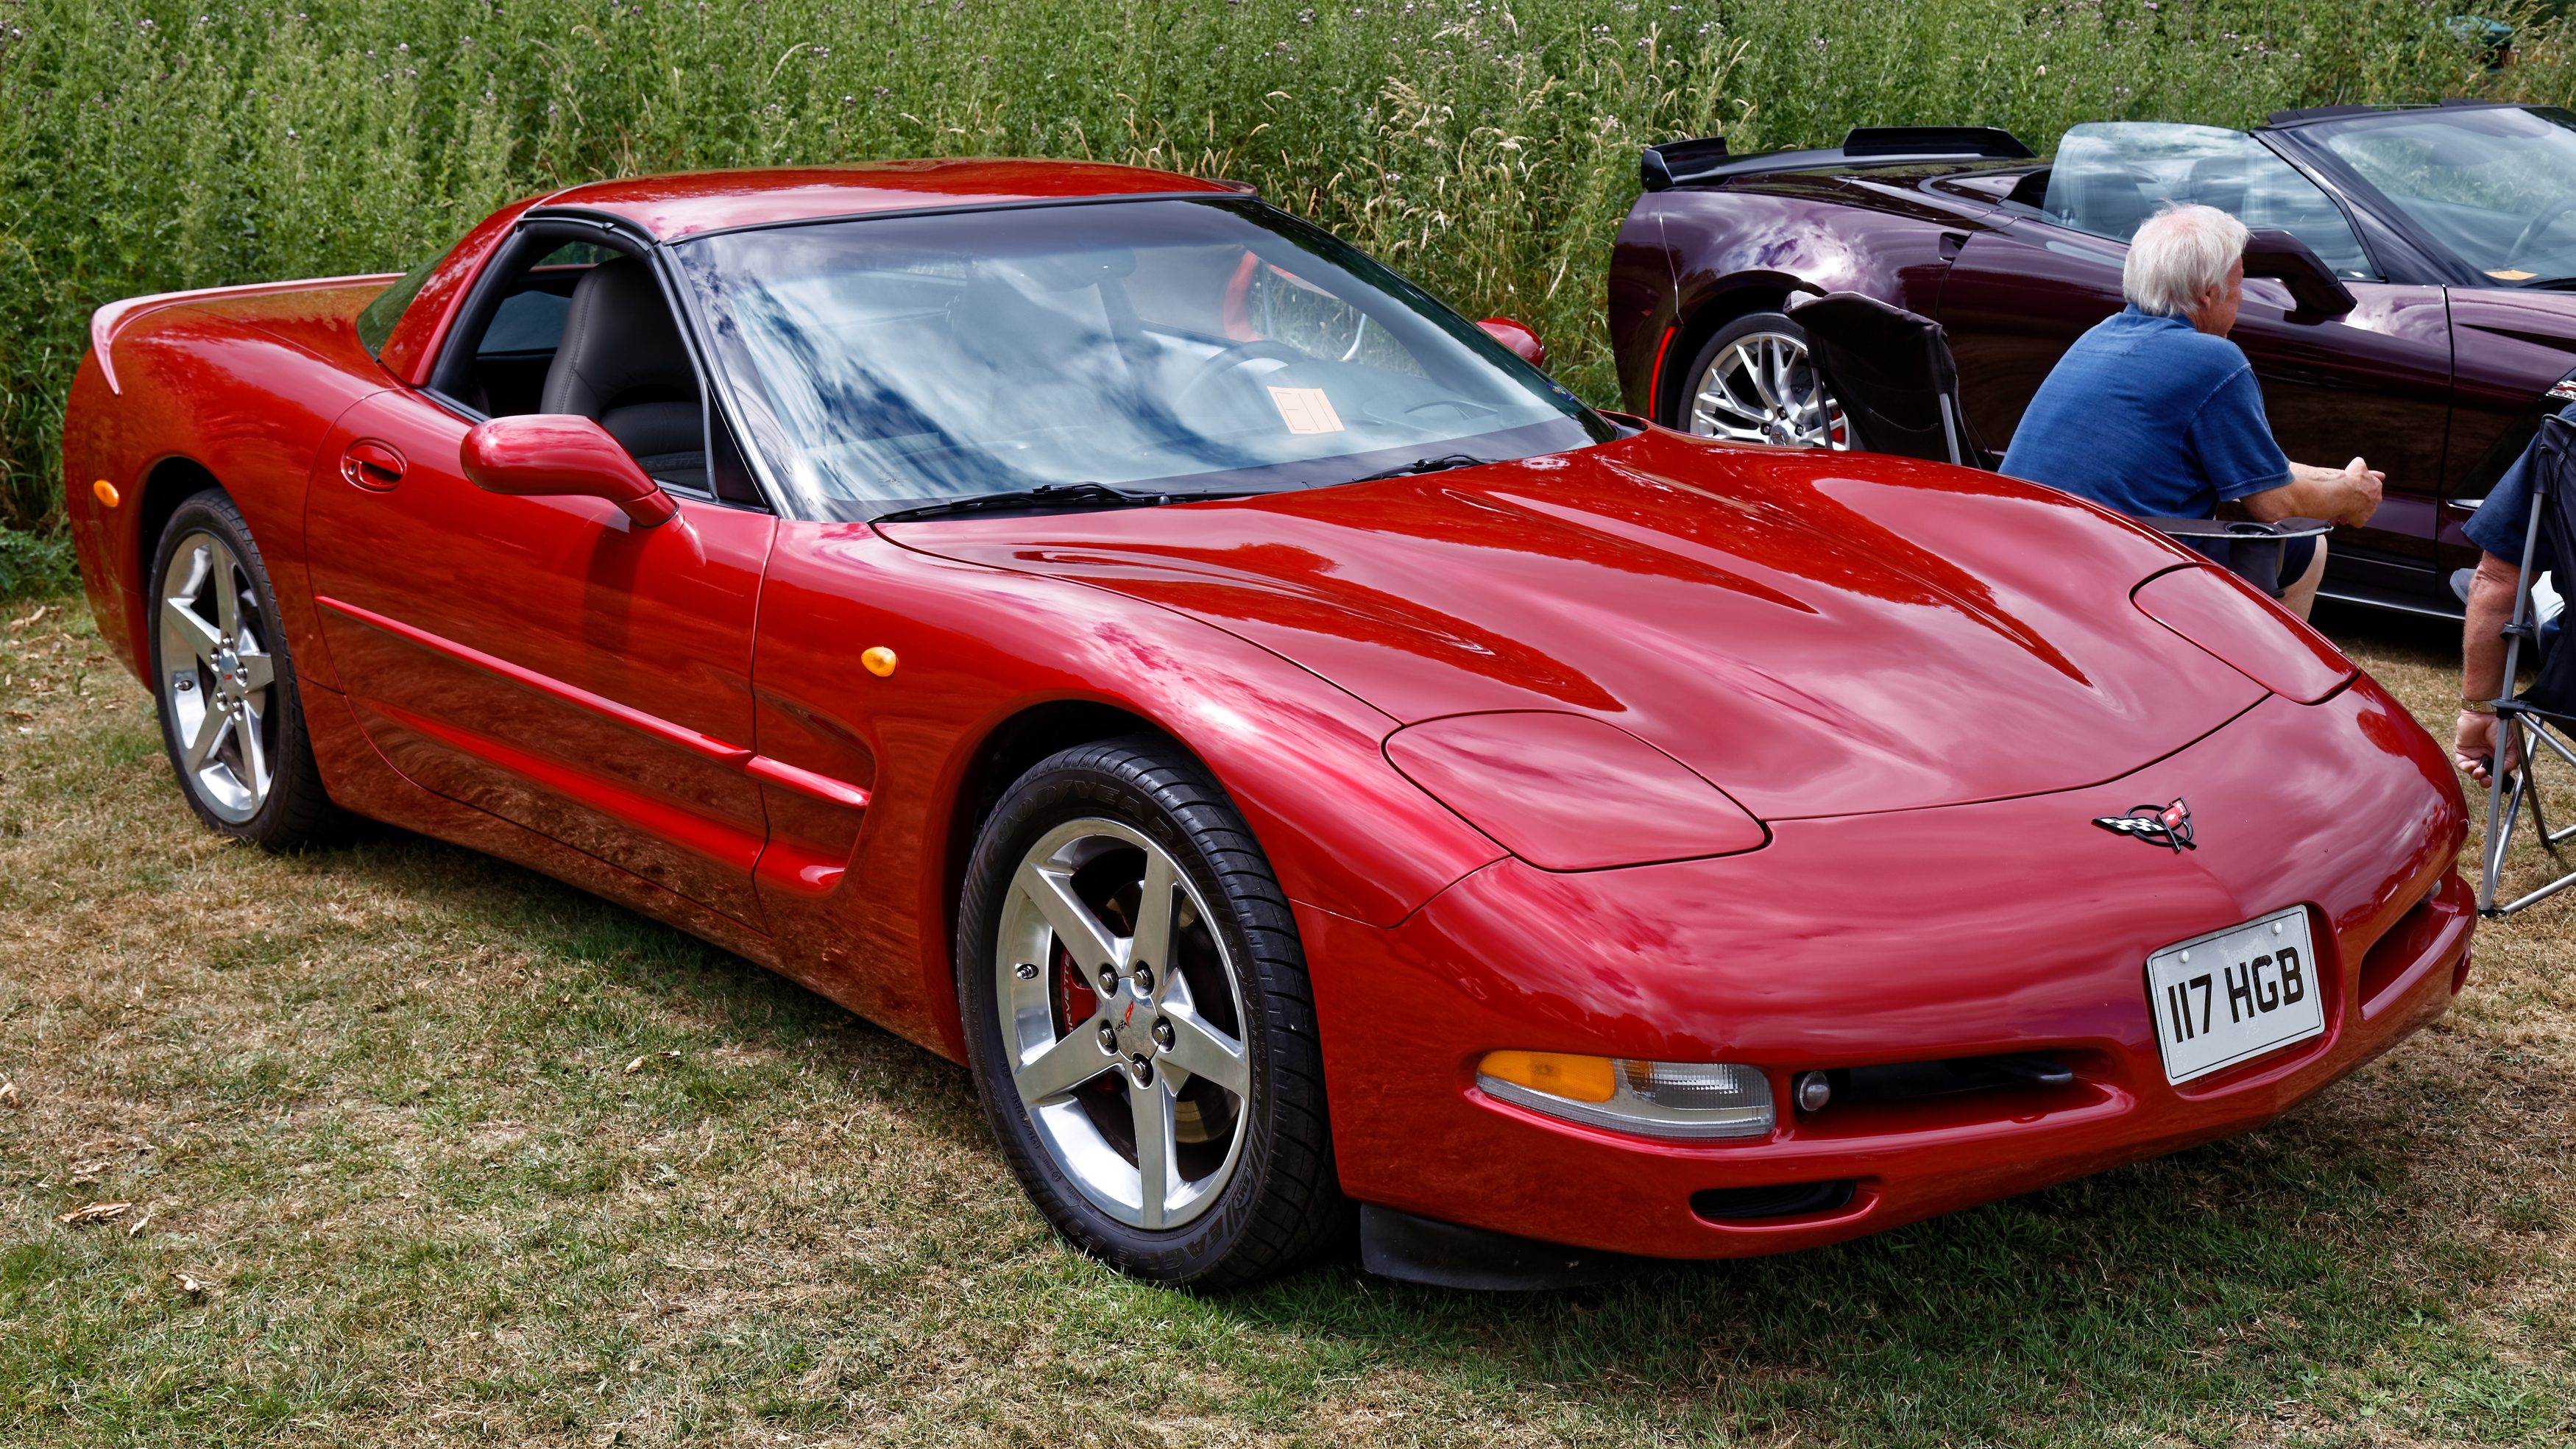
(2465, 505)
(371, 465)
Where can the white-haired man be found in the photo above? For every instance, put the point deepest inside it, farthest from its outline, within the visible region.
(2155, 414)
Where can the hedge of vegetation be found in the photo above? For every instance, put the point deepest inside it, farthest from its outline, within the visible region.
(1488, 147)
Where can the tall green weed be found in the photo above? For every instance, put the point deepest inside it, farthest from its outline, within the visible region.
(1488, 147)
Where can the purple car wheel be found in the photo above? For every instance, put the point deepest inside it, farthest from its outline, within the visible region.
(1753, 382)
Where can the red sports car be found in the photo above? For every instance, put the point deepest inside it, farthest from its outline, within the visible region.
(1122, 638)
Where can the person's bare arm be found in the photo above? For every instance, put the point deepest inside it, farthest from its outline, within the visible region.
(2349, 494)
(2491, 591)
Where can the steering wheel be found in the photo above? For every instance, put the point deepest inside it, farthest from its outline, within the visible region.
(1234, 357)
(2540, 222)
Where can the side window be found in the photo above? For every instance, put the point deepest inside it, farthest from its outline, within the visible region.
(2110, 176)
(518, 345)
(583, 329)
(376, 323)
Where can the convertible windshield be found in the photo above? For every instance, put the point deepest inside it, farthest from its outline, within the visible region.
(2494, 184)
(2110, 176)
(1162, 347)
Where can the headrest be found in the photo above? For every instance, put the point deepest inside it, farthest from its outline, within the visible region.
(619, 338)
(1014, 324)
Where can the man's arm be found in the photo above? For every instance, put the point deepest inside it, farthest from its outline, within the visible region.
(2491, 591)
(2349, 494)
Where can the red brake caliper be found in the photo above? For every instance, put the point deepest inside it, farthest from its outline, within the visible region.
(1075, 1002)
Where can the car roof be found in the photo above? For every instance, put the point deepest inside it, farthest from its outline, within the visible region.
(689, 203)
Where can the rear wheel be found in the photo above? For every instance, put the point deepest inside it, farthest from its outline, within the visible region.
(1138, 1019)
(1753, 382)
(225, 682)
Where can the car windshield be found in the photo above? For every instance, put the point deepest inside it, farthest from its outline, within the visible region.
(2497, 185)
(1160, 346)
(2110, 176)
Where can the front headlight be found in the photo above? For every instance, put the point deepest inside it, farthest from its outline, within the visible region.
(1653, 1099)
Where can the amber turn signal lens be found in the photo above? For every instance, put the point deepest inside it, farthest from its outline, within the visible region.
(1703, 1100)
(1578, 1079)
(106, 493)
(879, 661)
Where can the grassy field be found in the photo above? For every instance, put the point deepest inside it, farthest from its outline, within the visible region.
(422, 1148)
(1487, 147)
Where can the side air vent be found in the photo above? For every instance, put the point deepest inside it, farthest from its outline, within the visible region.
(1787, 1200)
(1908, 1081)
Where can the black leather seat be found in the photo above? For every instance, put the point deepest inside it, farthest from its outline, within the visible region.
(2107, 202)
(1021, 337)
(622, 362)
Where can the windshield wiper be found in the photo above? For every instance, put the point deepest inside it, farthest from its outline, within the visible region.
(1048, 495)
(1441, 464)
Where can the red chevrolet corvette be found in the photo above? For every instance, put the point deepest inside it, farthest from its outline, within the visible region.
(1124, 639)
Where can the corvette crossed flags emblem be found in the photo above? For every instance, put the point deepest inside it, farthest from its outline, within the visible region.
(2168, 826)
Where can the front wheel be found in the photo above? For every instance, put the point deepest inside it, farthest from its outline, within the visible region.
(1138, 1019)
(1754, 382)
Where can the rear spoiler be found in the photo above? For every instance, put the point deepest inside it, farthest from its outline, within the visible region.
(111, 319)
(1680, 163)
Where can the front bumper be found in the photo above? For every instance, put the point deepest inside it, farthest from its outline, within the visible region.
(2009, 926)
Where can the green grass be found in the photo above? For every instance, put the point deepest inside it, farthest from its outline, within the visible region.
(1488, 147)
(376, 1100)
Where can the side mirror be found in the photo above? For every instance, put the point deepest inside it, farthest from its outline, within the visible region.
(1522, 342)
(537, 455)
(2271, 252)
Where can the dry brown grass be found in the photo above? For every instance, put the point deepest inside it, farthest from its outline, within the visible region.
(373, 1101)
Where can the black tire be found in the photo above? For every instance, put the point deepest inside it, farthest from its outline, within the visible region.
(1282, 1199)
(296, 811)
(1677, 392)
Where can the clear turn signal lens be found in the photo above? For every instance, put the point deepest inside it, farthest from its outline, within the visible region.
(1654, 1099)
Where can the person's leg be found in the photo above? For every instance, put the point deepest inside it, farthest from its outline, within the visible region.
(2299, 595)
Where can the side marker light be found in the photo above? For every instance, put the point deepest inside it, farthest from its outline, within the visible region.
(878, 660)
(106, 493)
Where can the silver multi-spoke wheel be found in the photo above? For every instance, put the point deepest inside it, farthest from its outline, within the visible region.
(1762, 387)
(1123, 1023)
(1139, 1019)
(218, 682)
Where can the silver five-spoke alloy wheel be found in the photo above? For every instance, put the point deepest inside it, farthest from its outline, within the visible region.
(1762, 388)
(218, 682)
(1123, 1023)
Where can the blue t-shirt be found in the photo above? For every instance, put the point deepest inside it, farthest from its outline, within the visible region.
(2500, 523)
(2150, 417)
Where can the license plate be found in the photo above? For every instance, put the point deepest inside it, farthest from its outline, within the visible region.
(2232, 995)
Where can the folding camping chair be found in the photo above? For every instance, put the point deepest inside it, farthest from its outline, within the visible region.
(2529, 723)
(1898, 385)
(1893, 374)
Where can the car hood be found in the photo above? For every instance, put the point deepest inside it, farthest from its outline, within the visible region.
(1816, 634)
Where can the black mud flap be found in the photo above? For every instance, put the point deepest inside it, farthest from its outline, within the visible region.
(1425, 1250)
